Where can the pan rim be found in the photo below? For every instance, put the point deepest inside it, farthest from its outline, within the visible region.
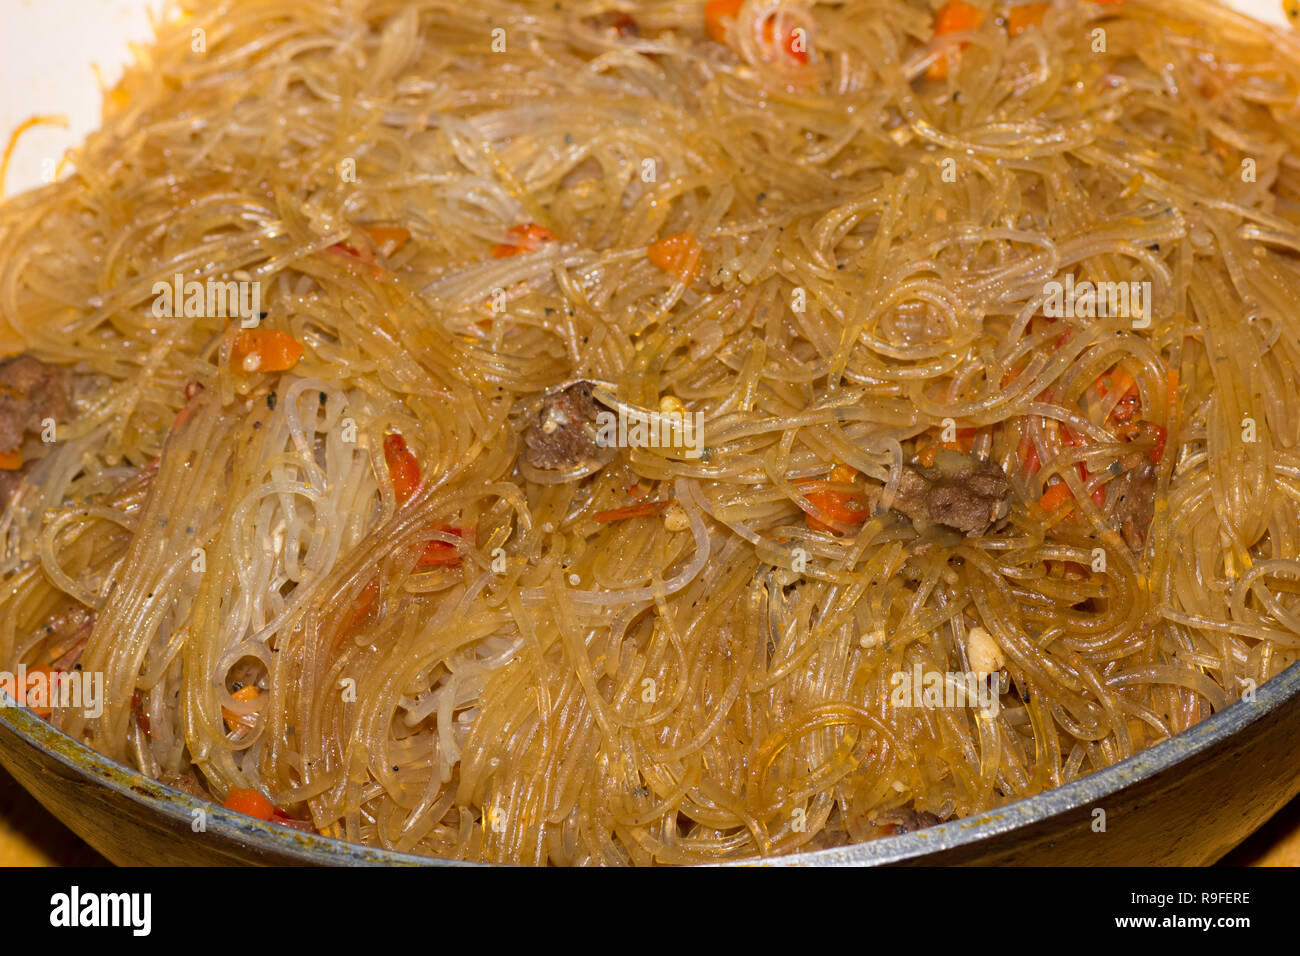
(316, 849)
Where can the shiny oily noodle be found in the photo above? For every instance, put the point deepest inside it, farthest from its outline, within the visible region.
(395, 587)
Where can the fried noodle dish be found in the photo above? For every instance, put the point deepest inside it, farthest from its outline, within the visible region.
(609, 433)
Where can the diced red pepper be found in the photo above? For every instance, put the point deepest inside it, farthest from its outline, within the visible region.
(284, 820)
(1161, 435)
(1158, 434)
(403, 469)
(1098, 493)
(137, 709)
(441, 554)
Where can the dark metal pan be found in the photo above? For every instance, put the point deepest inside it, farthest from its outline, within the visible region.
(1186, 801)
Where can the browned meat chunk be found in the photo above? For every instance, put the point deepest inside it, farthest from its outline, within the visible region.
(958, 491)
(185, 782)
(563, 433)
(30, 392)
(1135, 504)
(905, 820)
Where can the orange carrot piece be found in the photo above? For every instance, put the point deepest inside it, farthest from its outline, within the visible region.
(953, 17)
(250, 803)
(527, 237)
(1129, 404)
(233, 720)
(35, 674)
(264, 350)
(792, 42)
(1070, 570)
(964, 442)
(11, 460)
(1119, 380)
(719, 14)
(1025, 15)
(381, 235)
(1069, 436)
(845, 507)
(679, 255)
(957, 15)
(841, 506)
(716, 12)
(1055, 496)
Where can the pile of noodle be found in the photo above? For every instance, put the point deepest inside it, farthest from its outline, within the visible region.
(580, 691)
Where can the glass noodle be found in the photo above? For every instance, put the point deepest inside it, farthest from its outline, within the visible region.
(579, 691)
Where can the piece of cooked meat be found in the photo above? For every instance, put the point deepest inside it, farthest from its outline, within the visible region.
(563, 433)
(905, 820)
(1135, 505)
(30, 392)
(186, 782)
(958, 491)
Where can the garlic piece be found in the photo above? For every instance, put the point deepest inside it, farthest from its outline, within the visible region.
(675, 518)
(983, 652)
